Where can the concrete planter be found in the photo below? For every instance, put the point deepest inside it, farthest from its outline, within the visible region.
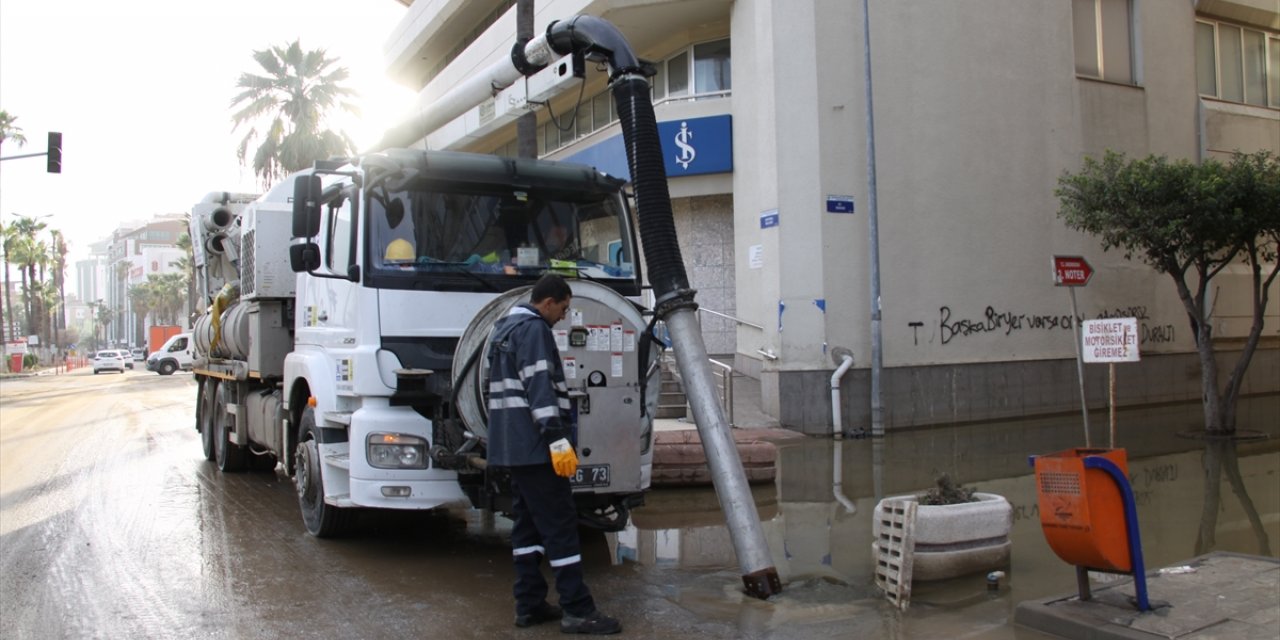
(957, 539)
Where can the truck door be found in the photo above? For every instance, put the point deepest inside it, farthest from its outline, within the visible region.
(328, 307)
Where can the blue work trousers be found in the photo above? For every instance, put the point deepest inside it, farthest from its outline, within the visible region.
(546, 523)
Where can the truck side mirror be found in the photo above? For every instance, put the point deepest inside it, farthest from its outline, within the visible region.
(305, 257)
(306, 207)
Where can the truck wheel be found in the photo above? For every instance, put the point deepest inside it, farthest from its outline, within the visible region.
(230, 457)
(208, 402)
(167, 368)
(321, 519)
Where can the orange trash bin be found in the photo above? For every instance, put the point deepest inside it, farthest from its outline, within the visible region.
(1082, 511)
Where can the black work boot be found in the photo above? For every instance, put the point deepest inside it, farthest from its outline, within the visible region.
(544, 612)
(594, 623)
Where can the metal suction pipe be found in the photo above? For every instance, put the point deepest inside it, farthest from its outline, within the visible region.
(675, 305)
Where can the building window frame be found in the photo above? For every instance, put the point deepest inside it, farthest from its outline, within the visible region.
(1261, 88)
(598, 111)
(1104, 48)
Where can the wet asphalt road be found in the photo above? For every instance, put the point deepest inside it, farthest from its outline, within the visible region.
(112, 525)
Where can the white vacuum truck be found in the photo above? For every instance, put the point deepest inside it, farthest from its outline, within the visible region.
(348, 315)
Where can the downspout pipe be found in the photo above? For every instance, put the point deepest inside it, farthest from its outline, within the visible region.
(837, 454)
(837, 430)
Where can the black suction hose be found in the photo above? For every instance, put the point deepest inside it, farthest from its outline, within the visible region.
(596, 38)
(653, 199)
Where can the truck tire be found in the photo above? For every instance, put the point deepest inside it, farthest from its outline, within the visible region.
(208, 400)
(321, 519)
(231, 458)
(167, 368)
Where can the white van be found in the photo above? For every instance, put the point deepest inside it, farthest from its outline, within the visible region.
(176, 353)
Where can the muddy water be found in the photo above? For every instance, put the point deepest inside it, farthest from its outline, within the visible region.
(823, 550)
(112, 525)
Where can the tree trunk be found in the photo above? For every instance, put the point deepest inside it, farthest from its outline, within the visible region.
(1200, 327)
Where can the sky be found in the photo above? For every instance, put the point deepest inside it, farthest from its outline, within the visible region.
(141, 91)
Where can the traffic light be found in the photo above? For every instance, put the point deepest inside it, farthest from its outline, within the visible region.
(55, 152)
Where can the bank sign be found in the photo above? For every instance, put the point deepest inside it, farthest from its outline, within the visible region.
(690, 147)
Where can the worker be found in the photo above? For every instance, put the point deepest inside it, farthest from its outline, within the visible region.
(530, 437)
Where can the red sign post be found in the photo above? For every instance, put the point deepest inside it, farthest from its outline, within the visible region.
(1071, 271)
(1074, 271)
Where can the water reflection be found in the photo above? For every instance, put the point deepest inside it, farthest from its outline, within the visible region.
(1220, 459)
(822, 549)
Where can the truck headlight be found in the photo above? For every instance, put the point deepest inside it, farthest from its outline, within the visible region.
(397, 451)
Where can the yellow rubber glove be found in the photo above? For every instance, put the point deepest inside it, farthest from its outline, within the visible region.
(563, 459)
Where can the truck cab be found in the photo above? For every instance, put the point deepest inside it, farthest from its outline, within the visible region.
(352, 345)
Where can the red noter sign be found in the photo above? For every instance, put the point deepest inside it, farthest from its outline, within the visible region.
(1071, 271)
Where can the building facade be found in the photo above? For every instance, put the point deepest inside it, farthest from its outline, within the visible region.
(979, 107)
(135, 252)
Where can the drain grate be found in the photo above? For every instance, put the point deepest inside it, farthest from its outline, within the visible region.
(894, 545)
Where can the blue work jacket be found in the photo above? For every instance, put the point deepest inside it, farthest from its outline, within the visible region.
(528, 399)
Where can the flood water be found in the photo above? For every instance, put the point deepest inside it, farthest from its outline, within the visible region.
(823, 551)
(113, 525)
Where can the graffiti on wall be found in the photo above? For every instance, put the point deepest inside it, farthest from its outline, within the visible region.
(952, 325)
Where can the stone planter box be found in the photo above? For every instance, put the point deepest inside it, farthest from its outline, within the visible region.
(957, 539)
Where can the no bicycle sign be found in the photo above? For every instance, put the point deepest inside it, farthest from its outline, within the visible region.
(1110, 340)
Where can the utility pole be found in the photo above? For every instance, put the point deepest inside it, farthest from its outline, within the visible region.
(527, 123)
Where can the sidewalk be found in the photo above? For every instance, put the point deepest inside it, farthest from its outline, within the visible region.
(678, 456)
(1219, 595)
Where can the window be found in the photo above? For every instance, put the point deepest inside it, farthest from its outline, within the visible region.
(1238, 64)
(700, 70)
(1103, 34)
(678, 75)
(711, 67)
(339, 253)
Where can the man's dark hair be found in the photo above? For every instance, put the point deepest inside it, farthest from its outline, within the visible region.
(550, 285)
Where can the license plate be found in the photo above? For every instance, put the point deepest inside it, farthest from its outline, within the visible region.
(590, 475)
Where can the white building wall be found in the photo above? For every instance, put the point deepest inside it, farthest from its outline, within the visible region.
(978, 112)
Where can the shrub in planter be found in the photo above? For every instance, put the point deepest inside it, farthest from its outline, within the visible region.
(957, 531)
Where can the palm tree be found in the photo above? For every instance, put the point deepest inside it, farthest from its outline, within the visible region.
(186, 266)
(142, 300)
(170, 290)
(7, 239)
(28, 252)
(8, 131)
(102, 317)
(291, 102)
(59, 262)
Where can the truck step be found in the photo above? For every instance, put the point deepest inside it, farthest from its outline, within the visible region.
(340, 417)
(339, 460)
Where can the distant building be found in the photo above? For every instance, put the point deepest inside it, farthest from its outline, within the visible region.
(133, 253)
(978, 109)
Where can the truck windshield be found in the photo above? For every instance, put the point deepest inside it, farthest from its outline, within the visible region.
(505, 237)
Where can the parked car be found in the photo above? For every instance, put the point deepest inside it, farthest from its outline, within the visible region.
(111, 360)
(176, 353)
(139, 354)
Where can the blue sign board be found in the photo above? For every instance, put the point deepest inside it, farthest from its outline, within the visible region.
(768, 218)
(690, 146)
(839, 204)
